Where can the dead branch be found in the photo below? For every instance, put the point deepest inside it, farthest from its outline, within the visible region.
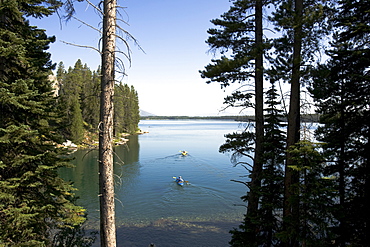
(95, 7)
(83, 46)
(130, 37)
(87, 24)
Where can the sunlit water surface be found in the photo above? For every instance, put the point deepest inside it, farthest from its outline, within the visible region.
(150, 206)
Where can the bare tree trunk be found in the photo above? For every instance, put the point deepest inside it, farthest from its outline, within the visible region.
(291, 195)
(106, 181)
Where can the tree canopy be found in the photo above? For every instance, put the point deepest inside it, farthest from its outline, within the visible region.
(79, 92)
(34, 201)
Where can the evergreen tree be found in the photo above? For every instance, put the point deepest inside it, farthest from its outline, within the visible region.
(126, 113)
(119, 109)
(273, 171)
(134, 111)
(316, 193)
(79, 101)
(34, 201)
(70, 103)
(342, 90)
(106, 179)
(90, 98)
(302, 24)
(241, 31)
(268, 217)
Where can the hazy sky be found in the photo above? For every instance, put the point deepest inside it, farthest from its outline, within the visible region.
(171, 32)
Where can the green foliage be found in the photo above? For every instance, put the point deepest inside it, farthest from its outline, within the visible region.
(34, 201)
(341, 88)
(79, 102)
(271, 191)
(316, 194)
(69, 102)
(74, 236)
(328, 188)
(126, 111)
(315, 27)
(268, 217)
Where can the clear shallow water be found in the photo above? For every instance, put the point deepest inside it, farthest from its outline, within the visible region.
(149, 200)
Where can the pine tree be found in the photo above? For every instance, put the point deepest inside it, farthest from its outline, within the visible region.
(90, 98)
(303, 24)
(241, 31)
(134, 117)
(79, 99)
(70, 103)
(126, 112)
(119, 109)
(316, 193)
(273, 171)
(341, 89)
(34, 201)
(268, 216)
(106, 178)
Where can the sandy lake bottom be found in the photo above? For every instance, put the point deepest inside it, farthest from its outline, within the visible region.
(171, 232)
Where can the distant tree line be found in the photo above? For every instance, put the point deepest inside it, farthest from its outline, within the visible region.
(302, 188)
(309, 118)
(79, 103)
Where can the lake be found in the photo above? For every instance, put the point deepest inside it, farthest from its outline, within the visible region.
(150, 206)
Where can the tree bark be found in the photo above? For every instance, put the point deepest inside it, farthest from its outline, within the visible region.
(106, 181)
(253, 200)
(291, 195)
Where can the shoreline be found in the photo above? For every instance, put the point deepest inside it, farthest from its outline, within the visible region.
(169, 232)
(92, 143)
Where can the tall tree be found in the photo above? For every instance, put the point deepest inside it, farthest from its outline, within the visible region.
(241, 31)
(291, 202)
(302, 24)
(273, 171)
(90, 99)
(34, 201)
(106, 179)
(267, 222)
(342, 91)
(108, 10)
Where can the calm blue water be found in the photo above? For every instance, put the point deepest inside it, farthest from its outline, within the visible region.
(150, 200)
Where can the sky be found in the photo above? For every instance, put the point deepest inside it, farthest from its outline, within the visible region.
(172, 34)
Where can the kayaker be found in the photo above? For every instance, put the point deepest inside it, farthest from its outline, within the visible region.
(179, 179)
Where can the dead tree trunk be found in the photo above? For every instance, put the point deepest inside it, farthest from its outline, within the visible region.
(106, 181)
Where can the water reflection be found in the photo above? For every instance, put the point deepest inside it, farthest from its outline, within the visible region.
(149, 202)
(86, 179)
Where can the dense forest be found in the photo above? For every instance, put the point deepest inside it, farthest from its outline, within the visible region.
(78, 90)
(302, 189)
(36, 206)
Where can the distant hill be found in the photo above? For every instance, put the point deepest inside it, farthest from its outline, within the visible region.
(146, 114)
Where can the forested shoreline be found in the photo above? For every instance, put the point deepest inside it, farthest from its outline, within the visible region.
(78, 91)
(305, 118)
